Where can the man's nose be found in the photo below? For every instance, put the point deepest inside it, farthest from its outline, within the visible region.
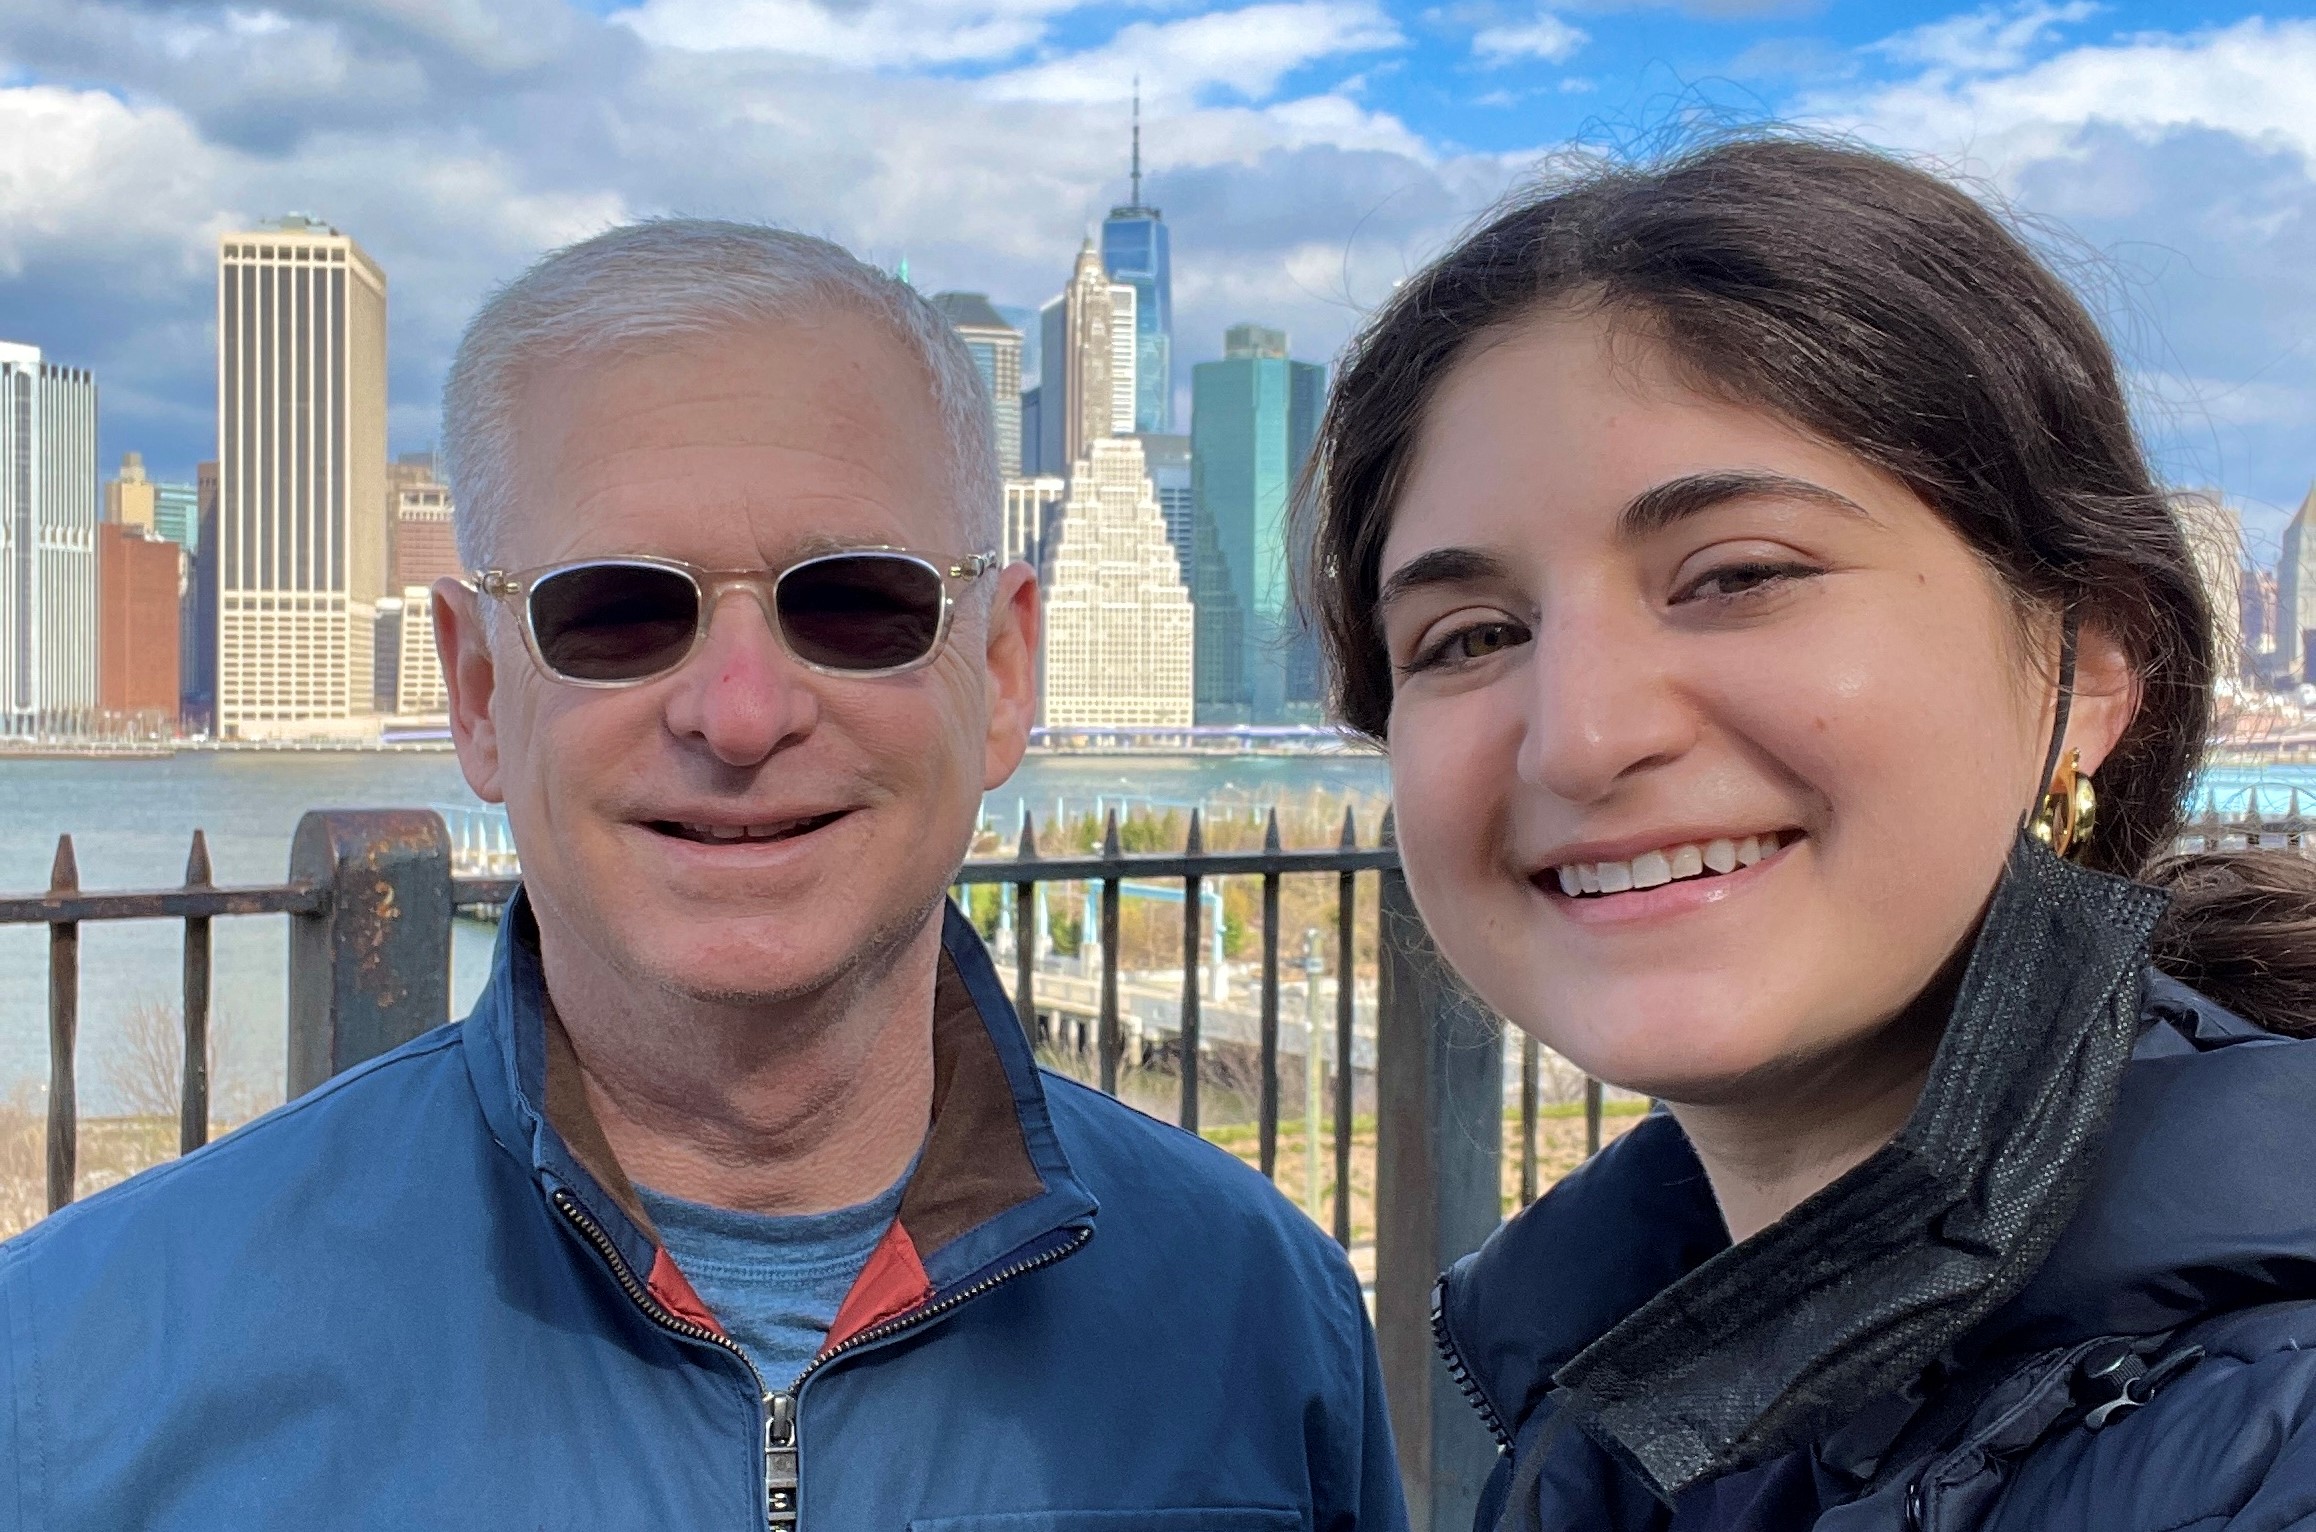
(1603, 701)
(741, 694)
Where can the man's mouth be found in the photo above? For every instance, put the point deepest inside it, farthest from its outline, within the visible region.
(715, 833)
(1669, 864)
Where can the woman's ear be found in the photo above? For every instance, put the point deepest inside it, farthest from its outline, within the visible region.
(2108, 690)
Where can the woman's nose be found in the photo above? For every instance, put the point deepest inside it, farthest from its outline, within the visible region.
(1602, 702)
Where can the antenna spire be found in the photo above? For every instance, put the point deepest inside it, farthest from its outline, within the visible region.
(1137, 140)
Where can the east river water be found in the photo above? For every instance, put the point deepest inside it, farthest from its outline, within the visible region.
(132, 820)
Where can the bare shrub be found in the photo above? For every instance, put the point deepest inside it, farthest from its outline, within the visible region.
(23, 1160)
(146, 1071)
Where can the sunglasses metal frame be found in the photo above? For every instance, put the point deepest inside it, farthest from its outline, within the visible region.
(710, 586)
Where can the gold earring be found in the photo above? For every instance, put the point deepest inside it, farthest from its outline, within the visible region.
(2065, 818)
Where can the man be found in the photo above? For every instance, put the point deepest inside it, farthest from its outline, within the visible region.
(738, 1200)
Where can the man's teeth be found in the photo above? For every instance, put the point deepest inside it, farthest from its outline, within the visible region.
(738, 832)
(1670, 865)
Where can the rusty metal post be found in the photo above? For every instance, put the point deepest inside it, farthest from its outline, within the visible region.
(1111, 1042)
(1531, 1083)
(1267, 1132)
(372, 970)
(1591, 1117)
(1193, 893)
(1025, 936)
(1346, 994)
(193, 1104)
(63, 1033)
(1438, 1194)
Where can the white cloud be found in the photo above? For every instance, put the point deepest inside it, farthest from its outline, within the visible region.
(1994, 39)
(1248, 51)
(1547, 38)
(870, 34)
(2256, 79)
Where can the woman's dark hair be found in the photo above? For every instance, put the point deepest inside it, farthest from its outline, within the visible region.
(1885, 311)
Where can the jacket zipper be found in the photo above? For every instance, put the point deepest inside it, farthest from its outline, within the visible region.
(782, 1481)
(1458, 1371)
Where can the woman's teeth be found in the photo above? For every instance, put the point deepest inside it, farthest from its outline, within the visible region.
(1651, 868)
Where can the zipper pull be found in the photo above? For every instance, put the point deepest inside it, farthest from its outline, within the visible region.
(780, 1462)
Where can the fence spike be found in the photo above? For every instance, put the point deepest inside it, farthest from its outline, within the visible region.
(1350, 829)
(1271, 832)
(64, 873)
(1197, 842)
(1110, 846)
(1390, 835)
(1028, 851)
(197, 874)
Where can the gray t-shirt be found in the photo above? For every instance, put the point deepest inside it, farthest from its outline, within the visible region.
(774, 1283)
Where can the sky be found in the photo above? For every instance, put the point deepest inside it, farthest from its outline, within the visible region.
(1307, 154)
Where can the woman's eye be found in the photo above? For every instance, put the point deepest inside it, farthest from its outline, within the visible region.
(1476, 642)
(1733, 581)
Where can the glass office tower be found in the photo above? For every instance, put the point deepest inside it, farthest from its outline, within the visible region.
(1138, 254)
(1253, 417)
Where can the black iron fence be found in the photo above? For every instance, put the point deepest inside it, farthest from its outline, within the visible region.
(370, 896)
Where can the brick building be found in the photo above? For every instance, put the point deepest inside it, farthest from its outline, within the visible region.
(140, 582)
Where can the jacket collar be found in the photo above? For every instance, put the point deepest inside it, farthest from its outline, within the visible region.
(992, 1185)
(1685, 1358)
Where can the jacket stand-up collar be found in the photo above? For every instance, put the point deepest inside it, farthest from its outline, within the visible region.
(1770, 1344)
(991, 1183)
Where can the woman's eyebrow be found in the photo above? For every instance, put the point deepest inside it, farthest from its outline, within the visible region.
(1661, 505)
(1442, 566)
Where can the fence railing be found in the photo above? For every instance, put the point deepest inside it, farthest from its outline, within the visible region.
(370, 896)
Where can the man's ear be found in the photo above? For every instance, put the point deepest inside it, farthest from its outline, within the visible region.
(1015, 619)
(471, 677)
(2108, 691)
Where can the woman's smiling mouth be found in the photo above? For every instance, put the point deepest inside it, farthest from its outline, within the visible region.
(1668, 864)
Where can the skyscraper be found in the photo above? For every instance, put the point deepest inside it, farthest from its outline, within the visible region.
(1169, 460)
(49, 497)
(2296, 595)
(1030, 507)
(996, 350)
(1138, 253)
(1118, 635)
(131, 499)
(303, 536)
(177, 513)
(408, 669)
(1079, 358)
(1253, 417)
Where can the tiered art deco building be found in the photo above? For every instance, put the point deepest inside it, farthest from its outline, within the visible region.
(1118, 617)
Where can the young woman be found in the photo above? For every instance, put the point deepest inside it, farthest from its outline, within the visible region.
(1791, 677)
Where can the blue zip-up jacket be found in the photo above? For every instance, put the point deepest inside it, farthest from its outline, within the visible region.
(2157, 1374)
(423, 1296)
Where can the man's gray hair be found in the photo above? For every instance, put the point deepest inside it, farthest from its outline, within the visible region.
(675, 278)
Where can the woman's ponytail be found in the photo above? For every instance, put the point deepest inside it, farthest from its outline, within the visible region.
(2242, 929)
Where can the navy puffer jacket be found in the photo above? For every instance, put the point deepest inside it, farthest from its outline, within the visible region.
(2154, 1371)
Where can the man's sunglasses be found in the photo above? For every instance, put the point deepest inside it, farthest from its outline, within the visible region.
(621, 621)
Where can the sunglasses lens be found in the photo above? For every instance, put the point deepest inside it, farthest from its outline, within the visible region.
(614, 622)
(861, 611)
